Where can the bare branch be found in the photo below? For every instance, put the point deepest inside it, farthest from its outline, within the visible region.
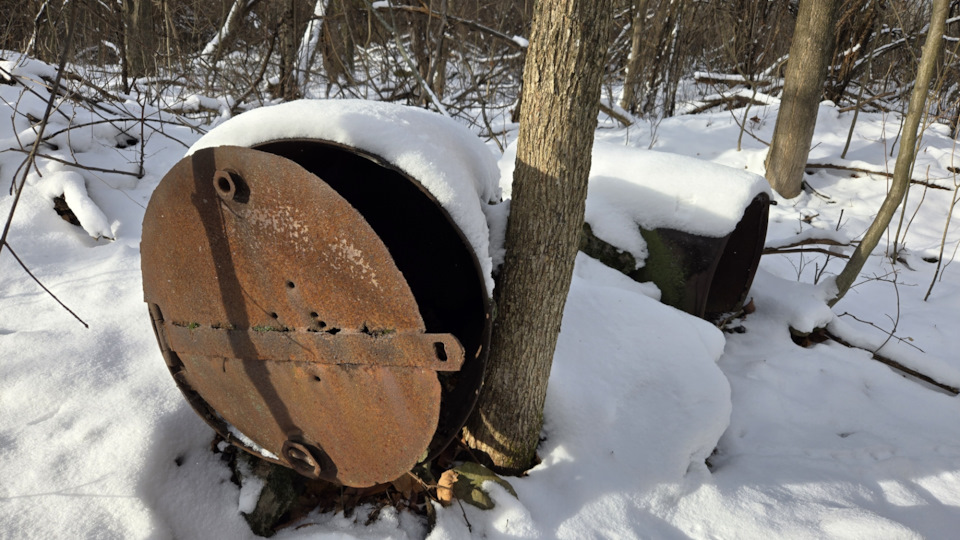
(42, 286)
(868, 171)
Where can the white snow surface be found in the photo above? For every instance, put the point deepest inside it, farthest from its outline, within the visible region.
(818, 442)
(445, 157)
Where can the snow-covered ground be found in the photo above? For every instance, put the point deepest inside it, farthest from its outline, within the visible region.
(96, 441)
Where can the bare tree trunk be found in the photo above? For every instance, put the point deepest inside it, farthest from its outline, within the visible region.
(338, 40)
(672, 75)
(669, 12)
(32, 45)
(857, 22)
(289, 28)
(810, 52)
(238, 10)
(171, 37)
(140, 37)
(906, 155)
(309, 43)
(634, 74)
(561, 85)
(436, 74)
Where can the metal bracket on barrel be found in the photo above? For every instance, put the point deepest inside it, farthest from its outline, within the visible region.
(439, 352)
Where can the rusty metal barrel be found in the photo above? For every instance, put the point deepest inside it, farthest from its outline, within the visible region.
(316, 304)
(702, 226)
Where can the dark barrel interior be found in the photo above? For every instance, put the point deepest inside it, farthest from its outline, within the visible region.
(741, 256)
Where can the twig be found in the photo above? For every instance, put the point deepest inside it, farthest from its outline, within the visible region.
(16, 78)
(258, 79)
(31, 158)
(896, 322)
(943, 242)
(900, 367)
(64, 55)
(736, 100)
(807, 187)
(114, 121)
(143, 140)
(29, 273)
(34, 155)
(890, 333)
(466, 22)
(406, 57)
(464, 512)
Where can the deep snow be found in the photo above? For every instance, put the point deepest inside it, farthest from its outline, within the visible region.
(96, 440)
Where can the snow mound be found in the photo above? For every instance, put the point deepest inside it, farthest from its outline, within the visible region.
(58, 182)
(446, 158)
(635, 404)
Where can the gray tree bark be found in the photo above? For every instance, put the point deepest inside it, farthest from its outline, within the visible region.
(561, 95)
(929, 61)
(810, 53)
(140, 37)
(634, 66)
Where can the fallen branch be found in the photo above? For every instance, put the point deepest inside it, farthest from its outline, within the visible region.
(867, 102)
(899, 367)
(607, 110)
(732, 102)
(16, 78)
(809, 241)
(716, 79)
(779, 251)
(868, 171)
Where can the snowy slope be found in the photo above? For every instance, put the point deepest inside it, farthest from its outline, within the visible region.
(96, 440)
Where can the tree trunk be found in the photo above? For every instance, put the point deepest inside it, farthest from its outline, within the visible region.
(856, 30)
(310, 42)
(140, 37)
(908, 150)
(561, 87)
(634, 73)
(338, 39)
(668, 12)
(289, 30)
(810, 52)
(33, 48)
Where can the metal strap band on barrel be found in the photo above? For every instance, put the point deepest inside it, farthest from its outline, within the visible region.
(439, 352)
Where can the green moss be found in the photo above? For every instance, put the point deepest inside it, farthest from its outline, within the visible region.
(269, 328)
(664, 268)
(620, 260)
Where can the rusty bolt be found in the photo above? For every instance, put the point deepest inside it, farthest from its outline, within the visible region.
(300, 459)
(230, 186)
